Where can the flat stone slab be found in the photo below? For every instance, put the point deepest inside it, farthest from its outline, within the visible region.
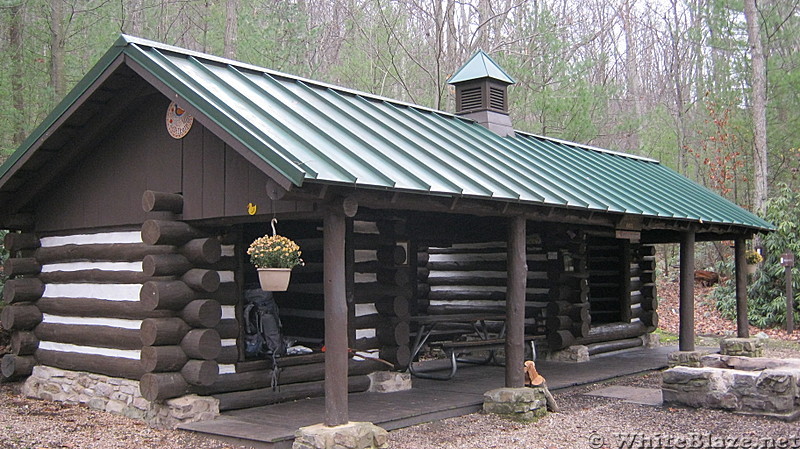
(636, 395)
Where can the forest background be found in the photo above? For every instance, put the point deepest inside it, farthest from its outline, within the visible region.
(710, 88)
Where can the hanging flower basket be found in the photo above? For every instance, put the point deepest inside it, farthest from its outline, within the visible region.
(751, 268)
(274, 279)
(274, 257)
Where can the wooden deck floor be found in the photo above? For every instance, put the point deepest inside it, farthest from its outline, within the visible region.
(273, 426)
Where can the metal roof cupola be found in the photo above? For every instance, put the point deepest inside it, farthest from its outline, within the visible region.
(481, 93)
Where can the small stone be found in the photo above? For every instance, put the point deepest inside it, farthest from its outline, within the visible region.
(97, 404)
(762, 335)
(115, 407)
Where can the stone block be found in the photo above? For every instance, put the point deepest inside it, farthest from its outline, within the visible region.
(522, 404)
(747, 347)
(115, 407)
(650, 340)
(576, 353)
(685, 358)
(389, 382)
(353, 435)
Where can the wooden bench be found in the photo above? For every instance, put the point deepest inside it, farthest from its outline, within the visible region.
(453, 349)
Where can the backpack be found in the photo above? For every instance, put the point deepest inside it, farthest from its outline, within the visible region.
(263, 328)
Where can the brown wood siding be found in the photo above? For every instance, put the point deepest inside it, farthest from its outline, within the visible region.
(104, 189)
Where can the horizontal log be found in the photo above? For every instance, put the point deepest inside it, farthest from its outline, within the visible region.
(14, 367)
(18, 266)
(200, 372)
(99, 336)
(20, 317)
(560, 339)
(228, 355)
(228, 328)
(311, 372)
(614, 345)
(201, 280)
(649, 291)
(532, 308)
(161, 386)
(467, 265)
(423, 273)
(266, 364)
(22, 290)
(560, 322)
(15, 241)
(265, 396)
(365, 292)
(391, 255)
(470, 294)
(368, 321)
(394, 276)
(202, 313)
(365, 344)
(164, 232)
(393, 306)
(226, 294)
(24, 343)
(395, 333)
(648, 317)
(153, 201)
(613, 331)
(423, 257)
(19, 221)
(203, 344)
(99, 308)
(162, 359)
(576, 311)
(165, 264)
(111, 252)
(110, 366)
(400, 355)
(202, 251)
(163, 331)
(166, 295)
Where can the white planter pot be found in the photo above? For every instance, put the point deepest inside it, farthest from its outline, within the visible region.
(274, 279)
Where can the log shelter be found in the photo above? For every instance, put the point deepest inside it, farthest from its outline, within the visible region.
(133, 204)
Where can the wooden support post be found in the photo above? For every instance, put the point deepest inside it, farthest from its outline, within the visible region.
(336, 412)
(740, 260)
(686, 333)
(625, 281)
(515, 303)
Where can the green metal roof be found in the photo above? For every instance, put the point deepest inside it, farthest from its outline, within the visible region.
(479, 66)
(307, 130)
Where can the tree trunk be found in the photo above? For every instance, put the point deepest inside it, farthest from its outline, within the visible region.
(759, 105)
(15, 51)
(231, 28)
(58, 82)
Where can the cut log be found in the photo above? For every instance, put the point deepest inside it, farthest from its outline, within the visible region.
(423, 258)
(163, 331)
(99, 336)
(93, 307)
(423, 273)
(613, 331)
(202, 313)
(110, 366)
(265, 396)
(393, 333)
(648, 317)
(14, 367)
(393, 306)
(400, 356)
(115, 252)
(228, 355)
(576, 311)
(24, 343)
(391, 255)
(560, 322)
(394, 276)
(200, 372)
(23, 289)
(163, 232)
(162, 202)
(165, 265)
(14, 242)
(161, 386)
(202, 280)
(204, 251)
(18, 266)
(162, 359)
(560, 339)
(228, 328)
(226, 294)
(203, 344)
(166, 295)
(614, 345)
(20, 317)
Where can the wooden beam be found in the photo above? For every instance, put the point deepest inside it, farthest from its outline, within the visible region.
(336, 404)
(686, 314)
(515, 302)
(740, 260)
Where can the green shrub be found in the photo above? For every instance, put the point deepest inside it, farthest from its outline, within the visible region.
(767, 290)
